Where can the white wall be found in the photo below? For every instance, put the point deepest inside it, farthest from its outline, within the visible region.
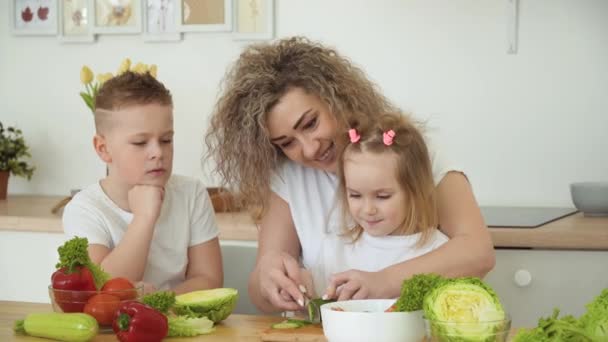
(523, 126)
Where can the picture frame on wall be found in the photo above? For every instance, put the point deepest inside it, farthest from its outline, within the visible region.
(160, 21)
(76, 21)
(254, 20)
(117, 16)
(205, 16)
(33, 17)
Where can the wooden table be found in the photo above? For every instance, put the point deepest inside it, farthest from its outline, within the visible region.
(234, 328)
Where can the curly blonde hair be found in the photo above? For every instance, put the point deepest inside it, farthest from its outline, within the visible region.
(238, 138)
(414, 172)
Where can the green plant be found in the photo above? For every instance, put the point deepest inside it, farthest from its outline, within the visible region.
(12, 149)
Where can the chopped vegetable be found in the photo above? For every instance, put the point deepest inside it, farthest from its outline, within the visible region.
(291, 323)
(179, 326)
(215, 304)
(286, 325)
(69, 327)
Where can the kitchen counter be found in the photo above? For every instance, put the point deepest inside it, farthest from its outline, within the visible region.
(234, 328)
(33, 214)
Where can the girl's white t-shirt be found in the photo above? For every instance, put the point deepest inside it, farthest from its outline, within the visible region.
(311, 195)
(368, 253)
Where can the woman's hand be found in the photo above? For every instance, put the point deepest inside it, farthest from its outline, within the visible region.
(355, 284)
(281, 281)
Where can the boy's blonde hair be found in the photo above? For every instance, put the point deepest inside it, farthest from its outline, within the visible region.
(414, 171)
(238, 137)
(129, 89)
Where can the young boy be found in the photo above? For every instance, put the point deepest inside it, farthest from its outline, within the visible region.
(142, 223)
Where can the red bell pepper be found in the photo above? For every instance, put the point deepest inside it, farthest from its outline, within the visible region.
(67, 287)
(137, 322)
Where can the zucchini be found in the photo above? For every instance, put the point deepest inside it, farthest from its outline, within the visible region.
(68, 327)
(314, 308)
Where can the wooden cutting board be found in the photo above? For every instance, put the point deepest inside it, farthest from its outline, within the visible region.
(309, 333)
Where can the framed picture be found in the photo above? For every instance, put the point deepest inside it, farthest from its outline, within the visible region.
(75, 21)
(160, 21)
(33, 17)
(205, 15)
(254, 19)
(117, 16)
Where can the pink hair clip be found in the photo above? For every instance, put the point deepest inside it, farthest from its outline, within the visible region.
(387, 137)
(354, 136)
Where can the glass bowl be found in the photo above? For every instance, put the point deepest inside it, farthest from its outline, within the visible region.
(100, 304)
(491, 331)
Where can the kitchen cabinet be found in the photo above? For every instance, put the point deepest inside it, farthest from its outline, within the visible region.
(530, 283)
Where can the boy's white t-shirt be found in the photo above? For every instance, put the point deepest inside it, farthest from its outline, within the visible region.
(186, 219)
(311, 195)
(368, 253)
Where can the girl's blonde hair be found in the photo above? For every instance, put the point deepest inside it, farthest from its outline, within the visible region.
(414, 171)
(238, 138)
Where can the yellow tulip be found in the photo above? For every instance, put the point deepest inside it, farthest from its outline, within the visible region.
(153, 70)
(139, 68)
(86, 75)
(124, 66)
(103, 78)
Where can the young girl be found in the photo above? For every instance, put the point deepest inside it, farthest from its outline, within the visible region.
(387, 197)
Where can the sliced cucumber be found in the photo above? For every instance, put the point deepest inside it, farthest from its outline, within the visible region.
(287, 325)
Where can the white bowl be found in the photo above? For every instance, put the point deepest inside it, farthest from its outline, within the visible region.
(590, 197)
(365, 321)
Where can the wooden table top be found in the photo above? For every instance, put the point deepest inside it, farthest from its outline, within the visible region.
(234, 328)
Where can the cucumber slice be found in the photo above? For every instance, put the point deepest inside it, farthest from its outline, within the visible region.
(287, 325)
(301, 322)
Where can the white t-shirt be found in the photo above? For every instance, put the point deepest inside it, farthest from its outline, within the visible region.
(368, 253)
(311, 194)
(186, 219)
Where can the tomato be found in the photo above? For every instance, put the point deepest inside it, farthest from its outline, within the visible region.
(102, 307)
(391, 308)
(120, 287)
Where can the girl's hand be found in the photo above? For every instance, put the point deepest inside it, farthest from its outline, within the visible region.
(355, 284)
(280, 280)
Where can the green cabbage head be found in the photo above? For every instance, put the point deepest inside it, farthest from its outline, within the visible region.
(215, 304)
(464, 310)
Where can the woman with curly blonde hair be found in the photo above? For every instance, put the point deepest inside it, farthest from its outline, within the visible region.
(273, 136)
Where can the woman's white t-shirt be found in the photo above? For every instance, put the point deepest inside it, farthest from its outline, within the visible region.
(311, 195)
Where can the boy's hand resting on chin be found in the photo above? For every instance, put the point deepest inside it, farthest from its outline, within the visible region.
(145, 202)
